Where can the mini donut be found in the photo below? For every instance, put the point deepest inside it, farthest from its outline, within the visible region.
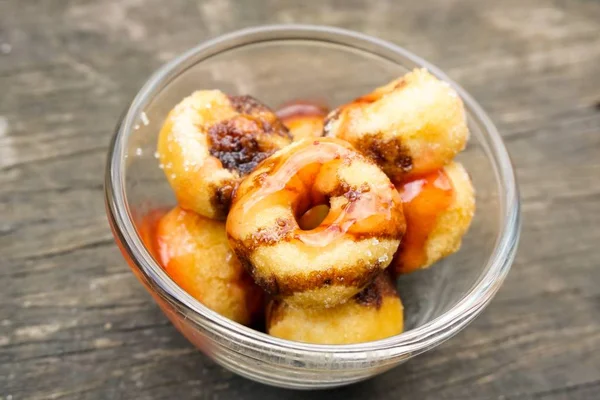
(303, 119)
(411, 126)
(210, 141)
(194, 252)
(375, 313)
(327, 265)
(438, 208)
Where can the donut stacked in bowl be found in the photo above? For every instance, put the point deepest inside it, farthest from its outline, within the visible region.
(301, 219)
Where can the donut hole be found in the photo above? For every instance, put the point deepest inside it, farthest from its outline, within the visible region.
(313, 217)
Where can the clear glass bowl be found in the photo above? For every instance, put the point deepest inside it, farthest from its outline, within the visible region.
(278, 64)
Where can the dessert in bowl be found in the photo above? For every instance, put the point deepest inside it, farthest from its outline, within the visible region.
(303, 287)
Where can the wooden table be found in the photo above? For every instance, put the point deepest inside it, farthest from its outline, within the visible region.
(74, 322)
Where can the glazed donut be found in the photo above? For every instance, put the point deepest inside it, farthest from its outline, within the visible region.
(438, 208)
(375, 313)
(194, 252)
(209, 141)
(411, 126)
(327, 265)
(303, 119)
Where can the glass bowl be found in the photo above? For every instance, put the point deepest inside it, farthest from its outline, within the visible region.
(278, 64)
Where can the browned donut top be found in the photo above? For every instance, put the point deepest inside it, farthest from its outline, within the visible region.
(390, 154)
(373, 295)
(235, 143)
(263, 115)
(243, 141)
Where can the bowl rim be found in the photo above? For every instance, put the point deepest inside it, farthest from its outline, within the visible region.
(406, 344)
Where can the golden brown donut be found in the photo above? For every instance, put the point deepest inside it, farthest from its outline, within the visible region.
(438, 208)
(195, 253)
(375, 313)
(411, 126)
(303, 119)
(326, 265)
(209, 141)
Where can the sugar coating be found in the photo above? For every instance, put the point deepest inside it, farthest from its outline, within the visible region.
(283, 258)
(412, 125)
(375, 314)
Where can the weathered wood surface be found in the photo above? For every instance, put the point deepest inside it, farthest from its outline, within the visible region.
(74, 322)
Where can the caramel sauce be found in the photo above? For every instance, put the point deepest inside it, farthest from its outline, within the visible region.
(303, 119)
(365, 213)
(172, 238)
(366, 99)
(423, 199)
(298, 109)
(147, 227)
(361, 216)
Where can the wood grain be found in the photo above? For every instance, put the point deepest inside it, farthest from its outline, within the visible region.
(74, 323)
